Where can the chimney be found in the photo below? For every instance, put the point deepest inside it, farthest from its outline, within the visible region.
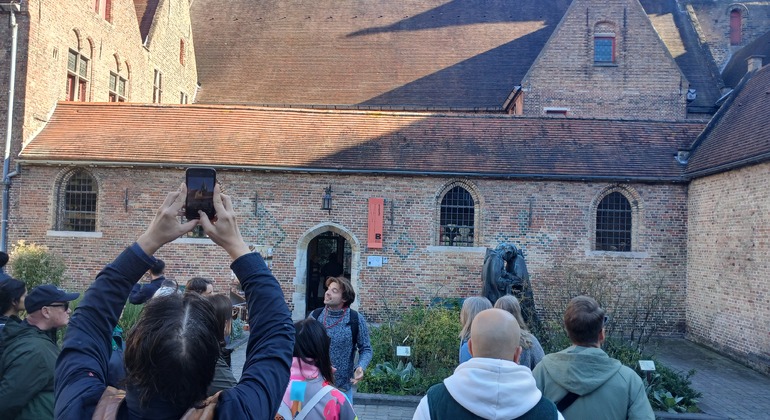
(755, 62)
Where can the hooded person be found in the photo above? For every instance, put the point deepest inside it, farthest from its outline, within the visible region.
(583, 380)
(491, 385)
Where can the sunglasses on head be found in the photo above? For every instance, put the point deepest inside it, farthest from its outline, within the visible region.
(65, 305)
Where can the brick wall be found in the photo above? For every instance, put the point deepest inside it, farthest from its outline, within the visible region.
(727, 266)
(551, 221)
(643, 83)
(48, 30)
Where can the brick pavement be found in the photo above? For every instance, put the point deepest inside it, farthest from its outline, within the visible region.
(730, 390)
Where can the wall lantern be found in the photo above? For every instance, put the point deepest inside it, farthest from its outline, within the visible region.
(326, 203)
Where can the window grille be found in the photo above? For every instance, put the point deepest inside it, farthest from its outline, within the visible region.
(457, 218)
(604, 49)
(613, 223)
(78, 212)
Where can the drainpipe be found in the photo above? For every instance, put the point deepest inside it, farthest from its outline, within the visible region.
(13, 8)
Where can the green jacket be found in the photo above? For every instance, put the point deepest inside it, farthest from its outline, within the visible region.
(607, 389)
(26, 372)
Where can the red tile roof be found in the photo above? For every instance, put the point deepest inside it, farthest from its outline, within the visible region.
(739, 134)
(417, 53)
(358, 142)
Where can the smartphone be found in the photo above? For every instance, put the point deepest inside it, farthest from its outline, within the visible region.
(200, 192)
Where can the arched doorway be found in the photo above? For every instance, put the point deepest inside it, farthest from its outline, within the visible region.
(322, 251)
(328, 255)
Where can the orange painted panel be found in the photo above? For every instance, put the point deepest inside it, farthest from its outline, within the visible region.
(376, 211)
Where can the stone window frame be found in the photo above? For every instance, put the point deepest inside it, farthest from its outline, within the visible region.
(477, 206)
(80, 74)
(157, 87)
(103, 8)
(605, 30)
(637, 208)
(61, 199)
(116, 74)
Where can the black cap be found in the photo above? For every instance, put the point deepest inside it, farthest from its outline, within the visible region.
(45, 295)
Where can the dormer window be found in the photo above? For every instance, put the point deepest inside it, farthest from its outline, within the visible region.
(604, 48)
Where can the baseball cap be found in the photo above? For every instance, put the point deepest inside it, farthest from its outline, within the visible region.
(45, 295)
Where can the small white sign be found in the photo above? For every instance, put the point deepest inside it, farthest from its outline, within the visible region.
(374, 261)
(403, 351)
(647, 365)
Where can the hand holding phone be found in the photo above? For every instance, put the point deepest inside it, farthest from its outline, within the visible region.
(200, 192)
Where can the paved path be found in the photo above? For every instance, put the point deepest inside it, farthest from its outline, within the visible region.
(730, 390)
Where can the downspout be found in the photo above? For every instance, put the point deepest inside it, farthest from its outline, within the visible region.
(13, 8)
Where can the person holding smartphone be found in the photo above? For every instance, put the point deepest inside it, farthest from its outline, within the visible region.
(172, 351)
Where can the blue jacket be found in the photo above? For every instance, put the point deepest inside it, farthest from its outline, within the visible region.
(81, 369)
(141, 294)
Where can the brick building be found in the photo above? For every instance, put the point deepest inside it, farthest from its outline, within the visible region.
(562, 127)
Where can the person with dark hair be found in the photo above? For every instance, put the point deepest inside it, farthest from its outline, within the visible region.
(311, 392)
(12, 294)
(141, 294)
(29, 355)
(3, 261)
(200, 285)
(348, 332)
(582, 379)
(223, 374)
(171, 352)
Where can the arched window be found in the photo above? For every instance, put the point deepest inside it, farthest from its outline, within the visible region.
(77, 203)
(457, 218)
(118, 83)
(613, 223)
(78, 61)
(735, 27)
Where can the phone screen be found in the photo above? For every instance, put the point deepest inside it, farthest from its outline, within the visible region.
(200, 192)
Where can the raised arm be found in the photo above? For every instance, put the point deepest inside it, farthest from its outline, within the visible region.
(81, 369)
(271, 339)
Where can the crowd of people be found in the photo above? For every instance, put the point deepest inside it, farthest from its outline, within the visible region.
(175, 361)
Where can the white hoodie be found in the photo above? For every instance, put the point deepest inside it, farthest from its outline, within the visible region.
(491, 389)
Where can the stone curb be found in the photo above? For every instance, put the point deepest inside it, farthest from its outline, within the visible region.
(387, 400)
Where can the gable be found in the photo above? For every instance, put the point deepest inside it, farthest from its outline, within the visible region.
(642, 79)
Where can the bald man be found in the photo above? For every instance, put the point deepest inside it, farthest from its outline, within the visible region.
(491, 385)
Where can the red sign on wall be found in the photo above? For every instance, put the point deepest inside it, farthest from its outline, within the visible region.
(376, 209)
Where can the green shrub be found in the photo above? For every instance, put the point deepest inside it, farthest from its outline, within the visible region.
(129, 317)
(36, 265)
(431, 332)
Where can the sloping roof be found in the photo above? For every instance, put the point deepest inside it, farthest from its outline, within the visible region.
(361, 142)
(145, 13)
(738, 65)
(739, 134)
(415, 53)
(697, 65)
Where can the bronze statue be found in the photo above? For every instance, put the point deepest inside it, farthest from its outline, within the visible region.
(505, 273)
